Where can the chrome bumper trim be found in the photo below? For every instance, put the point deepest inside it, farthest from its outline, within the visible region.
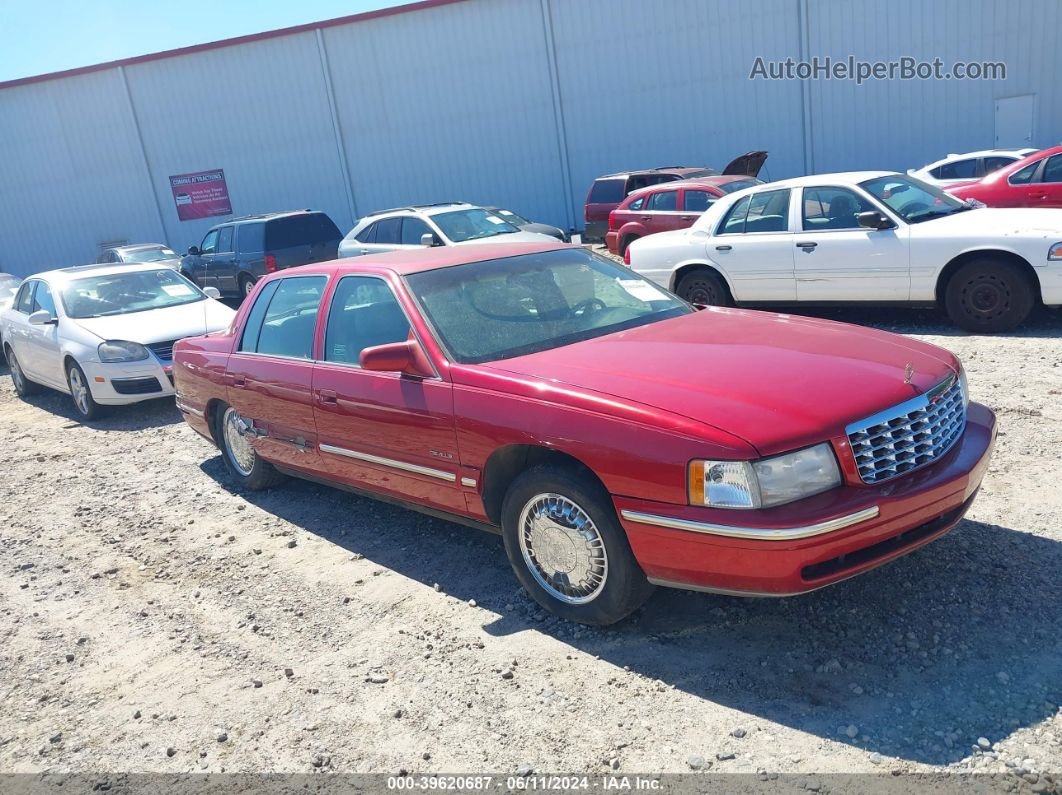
(416, 469)
(753, 533)
(184, 409)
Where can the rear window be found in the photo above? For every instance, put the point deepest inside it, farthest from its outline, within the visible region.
(607, 191)
(299, 230)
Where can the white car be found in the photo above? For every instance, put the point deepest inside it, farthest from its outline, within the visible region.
(968, 167)
(104, 334)
(872, 237)
(446, 224)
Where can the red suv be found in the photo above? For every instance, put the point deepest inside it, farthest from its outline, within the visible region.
(608, 191)
(670, 205)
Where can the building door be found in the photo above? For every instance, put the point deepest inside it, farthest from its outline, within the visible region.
(1014, 121)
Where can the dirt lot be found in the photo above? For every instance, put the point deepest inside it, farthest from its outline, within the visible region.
(154, 619)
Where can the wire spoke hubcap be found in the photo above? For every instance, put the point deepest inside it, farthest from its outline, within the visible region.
(563, 549)
(79, 391)
(241, 454)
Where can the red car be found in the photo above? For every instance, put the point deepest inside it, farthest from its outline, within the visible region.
(615, 437)
(670, 205)
(1034, 181)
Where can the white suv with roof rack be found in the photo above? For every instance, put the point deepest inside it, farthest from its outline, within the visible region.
(444, 224)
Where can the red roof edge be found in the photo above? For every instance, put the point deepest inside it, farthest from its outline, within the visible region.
(214, 45)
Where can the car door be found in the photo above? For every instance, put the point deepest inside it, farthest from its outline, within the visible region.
(42, 342)
(1050, 184)
(271, 372)
(385, 235)
(221, 264)
(16, 326)
(661, 212)
(753, 247)
(200, 263)
(379, 430)
(836, 259)
(1023, 188)
(693, 202)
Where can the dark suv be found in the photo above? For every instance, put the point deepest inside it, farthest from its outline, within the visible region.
(608, 191)
(235, 254)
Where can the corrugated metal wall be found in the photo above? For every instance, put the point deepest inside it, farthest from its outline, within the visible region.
(513, 102)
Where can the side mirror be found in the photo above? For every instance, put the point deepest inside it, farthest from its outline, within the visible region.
(397, 357)
(427, 239)
(872, 219)
(193, 251)
(42, 317)
(212, 292)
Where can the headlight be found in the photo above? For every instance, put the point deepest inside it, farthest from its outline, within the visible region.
(965, 386)
(1055, 252)
(764, 483)
(120, 351)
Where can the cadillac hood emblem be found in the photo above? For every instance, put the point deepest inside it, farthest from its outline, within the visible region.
(908, 373)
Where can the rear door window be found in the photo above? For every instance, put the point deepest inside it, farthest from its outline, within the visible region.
(1053, 170)
(697, 201)
(960, 169)
(759, 212)
(664, 201)
(607, 191)
(1024, 176)
(225, 240)
(996, 163)
(287, 328)
(389, 231)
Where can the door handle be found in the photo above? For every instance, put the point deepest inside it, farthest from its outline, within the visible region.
(239, 381)
(723, 248)
(808, 247)
(363, 250)
(687, 218)
(327, 396)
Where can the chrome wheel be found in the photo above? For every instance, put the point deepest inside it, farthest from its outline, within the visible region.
(79, 391)
(16, 374)
(563, 549)
(239, 450)
(248, 286)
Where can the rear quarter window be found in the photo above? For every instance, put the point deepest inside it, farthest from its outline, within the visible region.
(300, 230)
(607, 191)
(250, 237)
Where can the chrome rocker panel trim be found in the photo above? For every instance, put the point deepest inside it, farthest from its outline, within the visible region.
(753, 533)
(416, 469)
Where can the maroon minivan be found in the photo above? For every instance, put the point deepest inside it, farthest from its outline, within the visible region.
(608, 191)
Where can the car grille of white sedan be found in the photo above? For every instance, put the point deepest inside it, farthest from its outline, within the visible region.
(164, 350)
(910, 435)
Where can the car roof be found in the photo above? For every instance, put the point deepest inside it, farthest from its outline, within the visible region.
(243, 219)
(424, 259)
(838, 178)
(1017, 152)
(680, 170)
(695, 182)
(136, 246)
(425, 209)
(78, 271)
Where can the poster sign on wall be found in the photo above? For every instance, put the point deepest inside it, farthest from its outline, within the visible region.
(200, 195)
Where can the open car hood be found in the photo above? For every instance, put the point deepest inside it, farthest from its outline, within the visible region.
(748, 164)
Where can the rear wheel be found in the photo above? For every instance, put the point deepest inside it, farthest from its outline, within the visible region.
(247, 283)
(568, 549)
(626, 241)
(988, 295)
(86, 406)
(703, 287)
(23, 386)
(244, 464)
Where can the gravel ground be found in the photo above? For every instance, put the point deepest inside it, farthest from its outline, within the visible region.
(155, 619)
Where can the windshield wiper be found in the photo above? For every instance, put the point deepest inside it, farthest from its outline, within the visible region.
(930, 214)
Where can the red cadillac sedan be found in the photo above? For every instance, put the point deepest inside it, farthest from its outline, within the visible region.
(613, 435)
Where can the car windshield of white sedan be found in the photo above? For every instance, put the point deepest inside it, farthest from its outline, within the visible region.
(913, 200)
(497, 309)
(148, 254)
(125, 293)
(462, 225)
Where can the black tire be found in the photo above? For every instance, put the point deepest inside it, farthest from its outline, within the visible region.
(625, 241)
(249, 469)
(989, 296)
(619, 586)
(23, 386)
(81, 393)
(704, 288)
(246, 282)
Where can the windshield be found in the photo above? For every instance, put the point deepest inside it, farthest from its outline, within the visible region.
(125, 293)
(462, 225)
(147, 254)
(911, 199)
(510, 216)
(497, 309)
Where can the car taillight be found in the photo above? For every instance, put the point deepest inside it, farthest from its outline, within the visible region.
(627, 257)
(613, 224)
(270, 263)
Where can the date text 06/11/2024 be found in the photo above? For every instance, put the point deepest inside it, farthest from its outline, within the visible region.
(530, 783)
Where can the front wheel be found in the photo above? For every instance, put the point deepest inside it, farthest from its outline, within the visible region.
(704, 288)
(988, 295)
(568, 549)
(250, 469)
(86, 406)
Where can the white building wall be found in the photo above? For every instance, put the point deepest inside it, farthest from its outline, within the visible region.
(513, 102)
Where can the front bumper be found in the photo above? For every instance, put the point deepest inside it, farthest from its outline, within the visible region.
(612, 242)
(1050, 278)
(122, 383)
(814, 542)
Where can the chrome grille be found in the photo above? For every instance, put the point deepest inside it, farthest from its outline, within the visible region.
(164, 350)
(910, 435)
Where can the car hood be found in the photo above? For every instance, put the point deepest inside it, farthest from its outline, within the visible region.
(512, 237)
(544, 229)
(161, 325)
(997, 222)
(778, 382)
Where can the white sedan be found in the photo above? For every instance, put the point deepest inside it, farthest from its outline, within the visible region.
(866, 237)
(968, 167)
(104, 334)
